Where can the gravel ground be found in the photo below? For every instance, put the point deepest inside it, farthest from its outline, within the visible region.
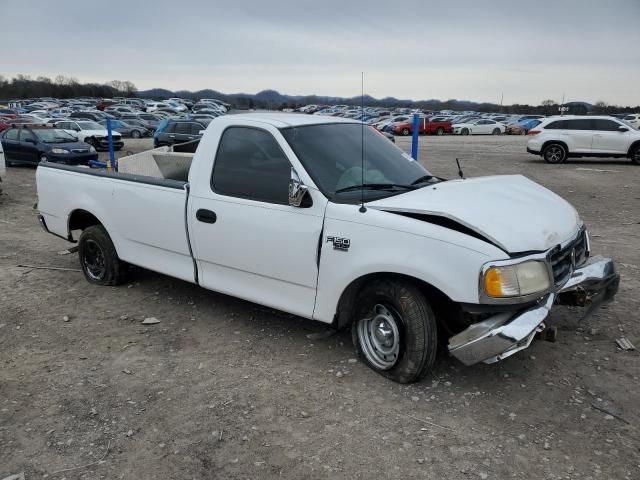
(223, 388)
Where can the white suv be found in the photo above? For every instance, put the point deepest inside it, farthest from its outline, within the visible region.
(558, 138)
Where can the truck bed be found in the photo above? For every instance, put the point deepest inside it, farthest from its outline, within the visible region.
(144, 215)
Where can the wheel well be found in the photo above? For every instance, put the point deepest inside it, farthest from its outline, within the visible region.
(549, 142)
(81, 219)
(443, 306)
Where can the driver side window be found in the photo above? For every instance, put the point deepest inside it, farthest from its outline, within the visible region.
(250, 164)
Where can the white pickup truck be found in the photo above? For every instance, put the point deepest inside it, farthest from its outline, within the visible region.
(276, 209)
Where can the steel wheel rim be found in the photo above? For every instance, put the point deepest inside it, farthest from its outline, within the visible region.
(379, 337)
(554, 154)
(93, 260)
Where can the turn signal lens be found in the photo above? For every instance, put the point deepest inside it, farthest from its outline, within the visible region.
(516, 280)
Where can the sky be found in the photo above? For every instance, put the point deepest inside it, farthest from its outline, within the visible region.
(588, 50)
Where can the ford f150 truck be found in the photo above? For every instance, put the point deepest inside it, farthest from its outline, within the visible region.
(277, 209)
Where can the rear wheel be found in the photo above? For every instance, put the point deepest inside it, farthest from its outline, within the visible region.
(635, 155)
(98, 257)
(440, 131)
(43, 158)
(405, 132)
(394, 330)
(465, 131)
(135, 134)
(496, 131)
(554, 153)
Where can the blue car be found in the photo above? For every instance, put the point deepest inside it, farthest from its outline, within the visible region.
(26, 145)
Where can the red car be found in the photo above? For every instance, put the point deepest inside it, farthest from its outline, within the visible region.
(4, 125)
(427, 127)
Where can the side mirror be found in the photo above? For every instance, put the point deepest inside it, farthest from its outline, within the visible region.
(297, 190)
(623, 129)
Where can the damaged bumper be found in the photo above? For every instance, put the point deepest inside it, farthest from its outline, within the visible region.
(502, 335)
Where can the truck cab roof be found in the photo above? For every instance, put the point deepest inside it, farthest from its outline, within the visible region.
(284, 120)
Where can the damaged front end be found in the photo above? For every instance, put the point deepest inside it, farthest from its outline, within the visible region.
(501, 335)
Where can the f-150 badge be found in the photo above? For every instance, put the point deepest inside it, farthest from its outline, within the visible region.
(339, 243)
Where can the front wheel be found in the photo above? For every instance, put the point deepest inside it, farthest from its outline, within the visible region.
(405, 132)
(92, 141)
(496, 131)
(135, 134)
(98, 257)
(554, 153)
(43, 158)
(635, 155)
(440, 131)
(465, 131)
(394, 330)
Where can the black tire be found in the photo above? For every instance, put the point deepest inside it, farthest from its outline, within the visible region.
(440, 131)
(43, 158)
(465, 131)
(496, 131)
(414, 323)
(406, 132)
(98, 257)
(635, 155)
(135, 134)
(91, 141)
(523, 132)
(7, 162)
(554, 153)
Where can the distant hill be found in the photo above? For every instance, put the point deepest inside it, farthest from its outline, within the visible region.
(276, 100)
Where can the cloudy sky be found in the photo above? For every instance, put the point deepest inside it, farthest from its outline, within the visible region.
(465, 49)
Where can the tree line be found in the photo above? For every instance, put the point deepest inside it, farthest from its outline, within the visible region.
(23, 86)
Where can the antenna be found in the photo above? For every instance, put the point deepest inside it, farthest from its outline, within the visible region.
(362, 207)
(460, 174)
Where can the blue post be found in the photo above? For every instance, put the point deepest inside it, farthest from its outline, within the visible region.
(416, 132)
(112, 155)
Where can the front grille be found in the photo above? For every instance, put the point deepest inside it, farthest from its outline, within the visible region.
(564, 260)
(79, 150)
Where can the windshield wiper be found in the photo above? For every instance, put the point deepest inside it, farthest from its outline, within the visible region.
(422, 179)
(375, 186)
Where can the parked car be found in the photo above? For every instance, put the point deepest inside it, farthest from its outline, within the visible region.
(27, 145)
(125, 129)
(92, 133)
(145, 120)
(480, 283)
(427, 127)
(522, 128)
(179, 131)
(633, 120)
(482, 126)
(558, 138)
(8, 113)
(4, 125)
(137, 123)
(94, 116)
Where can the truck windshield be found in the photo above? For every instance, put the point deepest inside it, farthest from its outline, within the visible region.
(332, 155)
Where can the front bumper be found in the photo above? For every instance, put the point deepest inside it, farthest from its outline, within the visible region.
(502, 335)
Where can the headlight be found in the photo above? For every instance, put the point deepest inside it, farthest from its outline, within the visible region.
(59, 150)
(516, 280)
(92, 150)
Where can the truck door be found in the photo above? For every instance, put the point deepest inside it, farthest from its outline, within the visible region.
(246, 238)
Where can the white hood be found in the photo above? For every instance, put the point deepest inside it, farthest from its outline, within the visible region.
(513, 212)
(100, 133)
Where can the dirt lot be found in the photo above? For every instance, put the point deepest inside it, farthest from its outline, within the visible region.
(226, 389)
